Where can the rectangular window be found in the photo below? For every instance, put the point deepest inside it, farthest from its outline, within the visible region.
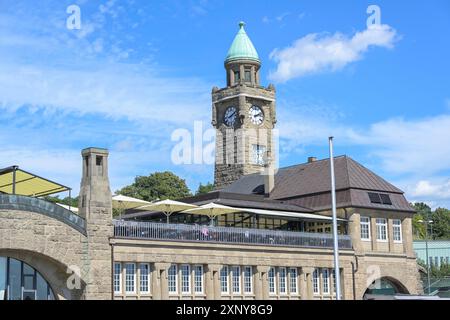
(237, 76)
(144, 278)
(224, 279)
(293, 282)
(316, 281)
(130, 278)
(272, 282)
(258, 154)
(117, 277)
(282, 281)
(248, 283)
(374, 197)
(365, 228)
(386, 199)
(248, 76)
(236, 279)
(198, 279)
(326, 281)
(172, 279)
(185, 278)
(397, 230)
(381, 229)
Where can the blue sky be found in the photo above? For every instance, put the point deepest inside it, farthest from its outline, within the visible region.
(138, 70)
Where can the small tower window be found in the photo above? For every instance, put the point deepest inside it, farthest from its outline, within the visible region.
(248, 76)
(237, 76)
(99, 164)
(86, 164)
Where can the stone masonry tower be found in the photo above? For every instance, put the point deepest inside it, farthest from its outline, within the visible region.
(243, 114)
(96, 207)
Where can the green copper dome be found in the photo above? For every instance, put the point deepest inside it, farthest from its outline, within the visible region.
(242, 47)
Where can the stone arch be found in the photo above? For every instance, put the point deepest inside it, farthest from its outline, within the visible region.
(48, 245)
(53, 271)
(386, 285)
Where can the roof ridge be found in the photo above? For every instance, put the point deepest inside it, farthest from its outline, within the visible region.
(376, 175)
(307, 163)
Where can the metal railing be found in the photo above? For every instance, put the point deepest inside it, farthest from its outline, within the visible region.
(23, 203)
(202, 233)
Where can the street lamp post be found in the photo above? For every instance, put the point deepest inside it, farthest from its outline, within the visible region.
(426, 251)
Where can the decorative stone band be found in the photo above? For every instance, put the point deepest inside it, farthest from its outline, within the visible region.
(23, 203)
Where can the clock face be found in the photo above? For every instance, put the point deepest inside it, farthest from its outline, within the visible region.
(256, 115)
(230, 116)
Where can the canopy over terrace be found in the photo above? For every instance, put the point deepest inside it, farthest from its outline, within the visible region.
(247, 217)
(20, 182)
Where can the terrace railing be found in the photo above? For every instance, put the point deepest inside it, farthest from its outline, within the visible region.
(202, 233)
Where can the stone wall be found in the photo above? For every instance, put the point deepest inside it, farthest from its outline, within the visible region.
(48, 245)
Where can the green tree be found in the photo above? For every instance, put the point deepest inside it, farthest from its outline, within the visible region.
(202, 189)
(73, 202)
(441, 223)
(423, 213)
(158, 185)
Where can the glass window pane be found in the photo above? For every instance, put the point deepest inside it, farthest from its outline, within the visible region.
(15, 286)
(41, 287)
(28, 282)
(3, 262)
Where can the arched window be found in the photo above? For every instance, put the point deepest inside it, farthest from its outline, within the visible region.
(20, 281)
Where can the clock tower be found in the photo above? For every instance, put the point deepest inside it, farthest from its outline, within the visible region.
(243, 114)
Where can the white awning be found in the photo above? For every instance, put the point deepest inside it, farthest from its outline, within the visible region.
(289, 214)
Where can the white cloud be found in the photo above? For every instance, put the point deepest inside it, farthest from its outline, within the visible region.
(434, 190)
(409, 146)
(314, 53)
(115, 90)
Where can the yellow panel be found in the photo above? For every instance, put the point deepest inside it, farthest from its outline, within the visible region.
(29, 185)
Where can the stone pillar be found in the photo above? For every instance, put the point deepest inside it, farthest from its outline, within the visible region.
(308, 271)
(96, 207)
(260, 272)
(241, 74)
(354, 229)
(407, 238)
(156, 282)
(253, 75)
(390, 234)
(263, 283)
(373, 230)
(231, 77)
(162, 290)
(303, 284)
(209, 282)
(214, 270)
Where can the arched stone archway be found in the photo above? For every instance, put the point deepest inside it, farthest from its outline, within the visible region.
(386, 286)
(54, 272)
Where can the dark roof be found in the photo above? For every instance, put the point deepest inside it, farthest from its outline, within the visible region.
(311, 181)
(245, 201)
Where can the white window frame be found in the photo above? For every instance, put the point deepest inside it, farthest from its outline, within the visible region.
(381, 224)
(175, 280)
(316, 281)
(117, 278)
(142, 280)
(282, 281)
(326, 281)
(224, 280)
(272, 279)
(248, 279)
(198, 279)
(399, 231)
(185, 278)
(367, 224)
(236, 279)
(130, 278)
(293, 281)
